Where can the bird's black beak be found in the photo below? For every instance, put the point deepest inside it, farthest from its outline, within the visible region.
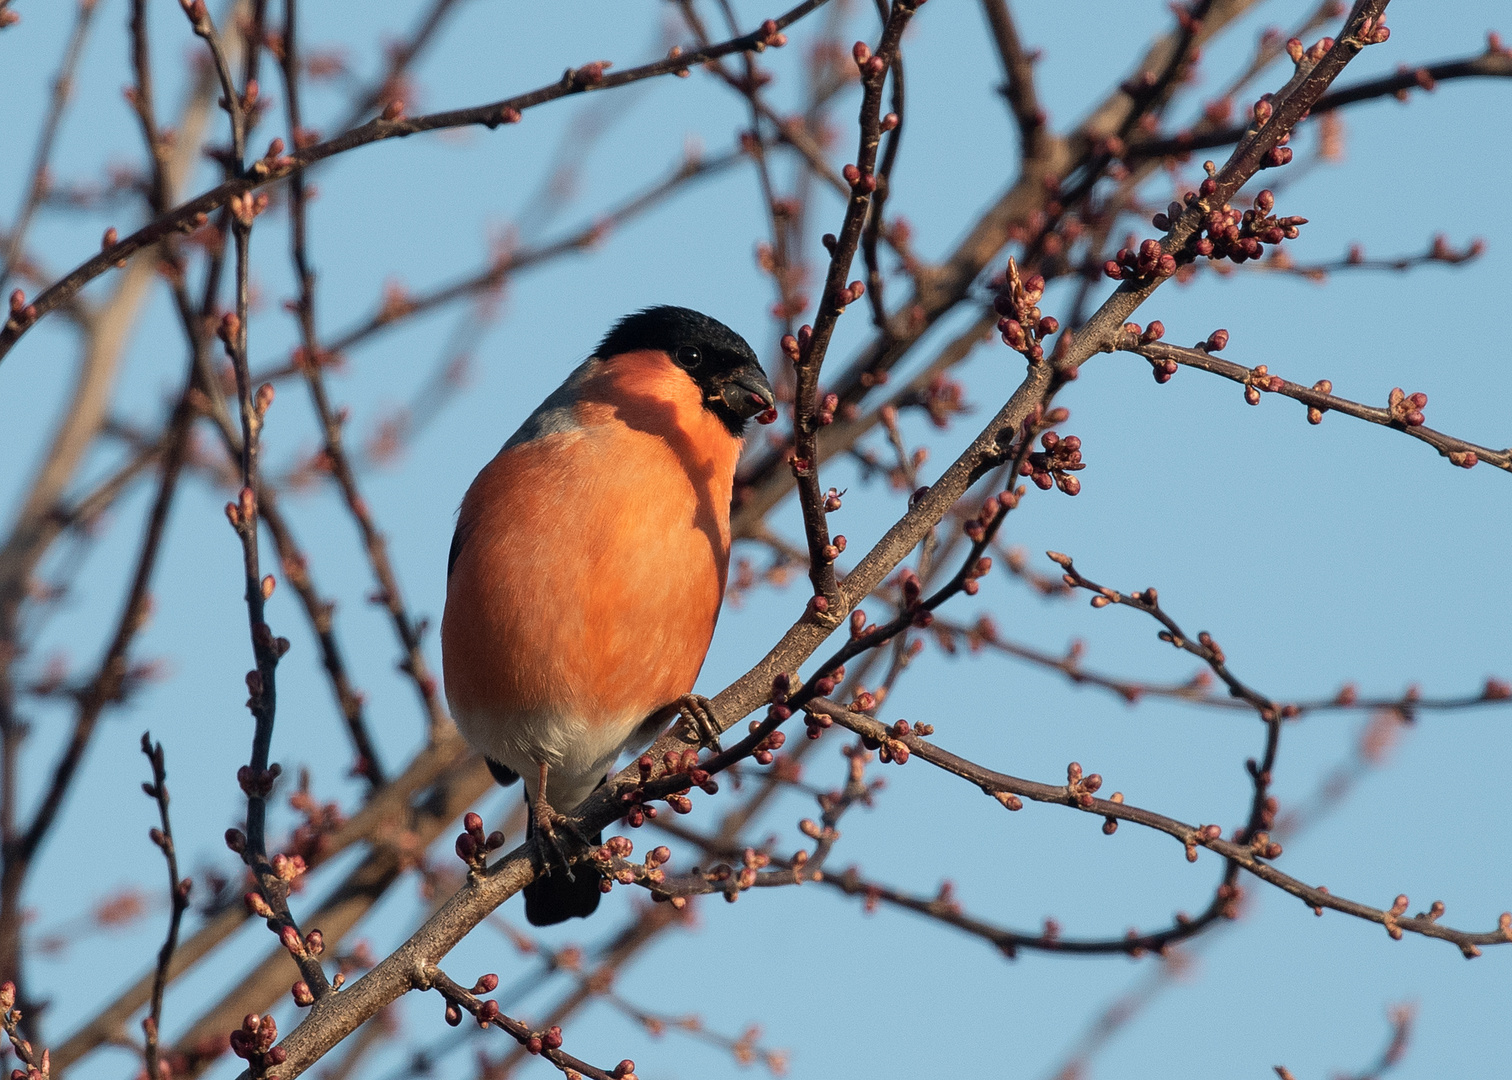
(746, 392)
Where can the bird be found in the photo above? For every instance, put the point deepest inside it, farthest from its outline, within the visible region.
(588, 567)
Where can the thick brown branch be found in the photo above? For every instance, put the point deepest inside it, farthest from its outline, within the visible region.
(393, 853)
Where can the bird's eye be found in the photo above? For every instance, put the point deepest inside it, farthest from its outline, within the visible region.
(688, 357)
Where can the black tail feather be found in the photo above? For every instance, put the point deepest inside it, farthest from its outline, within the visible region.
(555, 898)
(502, 773)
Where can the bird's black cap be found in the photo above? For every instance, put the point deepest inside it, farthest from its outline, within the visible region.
(718, 359)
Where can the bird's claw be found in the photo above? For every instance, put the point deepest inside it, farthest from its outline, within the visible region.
(553, 854)
(699, 712)
(548, 846)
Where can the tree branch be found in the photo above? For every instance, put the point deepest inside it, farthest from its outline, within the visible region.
(1077, 794)
(194, 213)
(1399, 413)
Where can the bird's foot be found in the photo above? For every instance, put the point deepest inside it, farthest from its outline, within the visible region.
(548, 844)
(699, 712)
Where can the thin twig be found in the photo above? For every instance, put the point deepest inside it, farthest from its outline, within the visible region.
(335, 453)
(37, 186)
(1487, 65)
(195, 212)
(1077, 794)
(1399, 413)
(1018, 70)
(178, 899)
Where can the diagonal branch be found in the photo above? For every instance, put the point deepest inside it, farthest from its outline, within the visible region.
(1399, 414)
(36, 188)
(1492, 64)
(385, 814)
(336, 1016)
(949, 282)
(374, 542)
(1018, 68)
(195, 212)
(1077, 794)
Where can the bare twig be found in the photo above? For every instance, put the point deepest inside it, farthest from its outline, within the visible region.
(384, 820)
(389, 593)
(1400, 1017)
(194, 213)
(1401, 413)
(1077, 794)
(1018, 69)
(1491, 64)
(37, 186)
(178, 899)
(808, 350)
(400, 59)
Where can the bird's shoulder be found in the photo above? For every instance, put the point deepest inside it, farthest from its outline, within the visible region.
(558, 413)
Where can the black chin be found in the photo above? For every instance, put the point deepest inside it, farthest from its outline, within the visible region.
(734, 423)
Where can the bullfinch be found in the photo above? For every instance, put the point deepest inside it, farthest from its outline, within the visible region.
(588, 567)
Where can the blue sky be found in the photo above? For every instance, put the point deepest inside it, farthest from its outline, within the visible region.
(1314, 555)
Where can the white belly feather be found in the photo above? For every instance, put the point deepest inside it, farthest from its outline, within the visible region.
(577, 754)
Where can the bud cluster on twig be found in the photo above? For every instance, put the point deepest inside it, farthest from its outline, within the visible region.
(1022, 325)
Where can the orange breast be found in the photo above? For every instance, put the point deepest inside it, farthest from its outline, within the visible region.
(594, 560)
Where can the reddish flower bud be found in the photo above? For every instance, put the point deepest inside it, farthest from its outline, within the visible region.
(467, 847)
